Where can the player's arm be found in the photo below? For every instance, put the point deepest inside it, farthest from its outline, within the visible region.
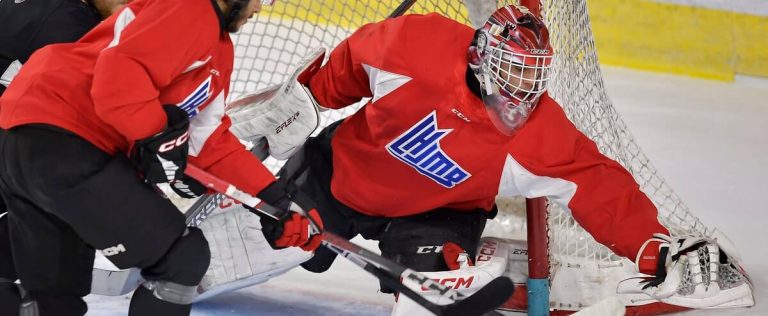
(68, 23)
(345, 78)
(224, 156)
(215, 149)
(555, 160)
(151, 46)
(286, 115)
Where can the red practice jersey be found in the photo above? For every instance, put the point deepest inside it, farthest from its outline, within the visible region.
(424, 140)
(109, 87)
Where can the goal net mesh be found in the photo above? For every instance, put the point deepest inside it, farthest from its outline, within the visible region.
(268, 48)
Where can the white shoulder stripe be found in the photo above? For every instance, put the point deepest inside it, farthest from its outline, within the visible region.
(205, 123)
(518, 181)
(126, 17)
(197, 64)
(383, 82)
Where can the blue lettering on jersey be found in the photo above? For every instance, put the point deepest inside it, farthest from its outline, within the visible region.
(201, 94)
(419, 147)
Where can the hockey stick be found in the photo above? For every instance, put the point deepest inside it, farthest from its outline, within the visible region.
(402, 8)
(485, 300)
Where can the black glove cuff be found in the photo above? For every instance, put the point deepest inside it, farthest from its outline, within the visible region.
(274, 193)
(177, 118)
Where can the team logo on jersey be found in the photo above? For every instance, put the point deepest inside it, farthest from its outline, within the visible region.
(419, 147)
(201, 94)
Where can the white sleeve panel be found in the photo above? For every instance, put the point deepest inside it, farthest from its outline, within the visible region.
(126, 17)
(518, 181)
(383, 82)
(202, 125)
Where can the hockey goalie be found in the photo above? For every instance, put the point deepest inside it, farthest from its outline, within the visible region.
(462, 126)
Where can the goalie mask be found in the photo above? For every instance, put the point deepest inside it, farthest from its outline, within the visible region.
(511, 57)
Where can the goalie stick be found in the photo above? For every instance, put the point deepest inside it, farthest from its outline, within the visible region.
(482, 302)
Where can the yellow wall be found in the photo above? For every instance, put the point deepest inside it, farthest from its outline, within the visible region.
(329, 12)
(672, 38)
(632, 33)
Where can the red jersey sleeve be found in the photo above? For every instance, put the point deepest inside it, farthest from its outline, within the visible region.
(566, 166)
(225, 157)
(153, 43)
(343, 80)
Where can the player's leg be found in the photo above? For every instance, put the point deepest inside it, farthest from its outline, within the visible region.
(417, 241)
(110, 208)
(9, 293)
(53, 262)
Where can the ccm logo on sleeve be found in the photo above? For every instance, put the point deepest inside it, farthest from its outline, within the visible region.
(419, 147)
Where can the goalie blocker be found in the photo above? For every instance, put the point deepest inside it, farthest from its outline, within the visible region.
(286, 114)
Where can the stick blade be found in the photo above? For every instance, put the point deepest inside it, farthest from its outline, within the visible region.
(485, 301)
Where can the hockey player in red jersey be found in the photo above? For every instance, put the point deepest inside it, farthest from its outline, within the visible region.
(457, 117)
(27, 28)
(89, 127)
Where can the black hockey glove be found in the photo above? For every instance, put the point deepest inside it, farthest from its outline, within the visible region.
(187, 187)
(163, 156)
(293, 228)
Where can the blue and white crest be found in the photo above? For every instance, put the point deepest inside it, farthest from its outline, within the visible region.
(201, 94)
(419, 147)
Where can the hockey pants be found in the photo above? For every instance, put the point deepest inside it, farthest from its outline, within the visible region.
(67, 198)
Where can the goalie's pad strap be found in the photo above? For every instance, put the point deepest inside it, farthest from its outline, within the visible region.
(172, 292)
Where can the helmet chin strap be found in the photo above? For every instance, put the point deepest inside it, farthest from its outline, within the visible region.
(487, 83)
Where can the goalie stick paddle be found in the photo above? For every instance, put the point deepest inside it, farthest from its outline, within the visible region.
(485, 300)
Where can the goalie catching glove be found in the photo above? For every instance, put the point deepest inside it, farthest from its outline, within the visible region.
(665, 258)
(293, 228)
(162, 157)
(691, 271)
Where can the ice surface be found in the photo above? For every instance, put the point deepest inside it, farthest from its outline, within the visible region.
(708, 139)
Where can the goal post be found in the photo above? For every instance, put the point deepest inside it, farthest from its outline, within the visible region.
(538, 256)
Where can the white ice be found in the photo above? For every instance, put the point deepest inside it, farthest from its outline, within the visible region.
(708, 139)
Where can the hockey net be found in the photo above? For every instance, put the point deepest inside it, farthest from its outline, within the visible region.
(583, 271)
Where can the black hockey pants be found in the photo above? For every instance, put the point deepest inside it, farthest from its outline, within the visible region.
(9, 293)
(412, 241)
(65, 199)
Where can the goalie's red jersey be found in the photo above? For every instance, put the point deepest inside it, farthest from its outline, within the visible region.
(109, 86)
(424, 140)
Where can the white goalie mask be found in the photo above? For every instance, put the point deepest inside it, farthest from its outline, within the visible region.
(511, 57)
